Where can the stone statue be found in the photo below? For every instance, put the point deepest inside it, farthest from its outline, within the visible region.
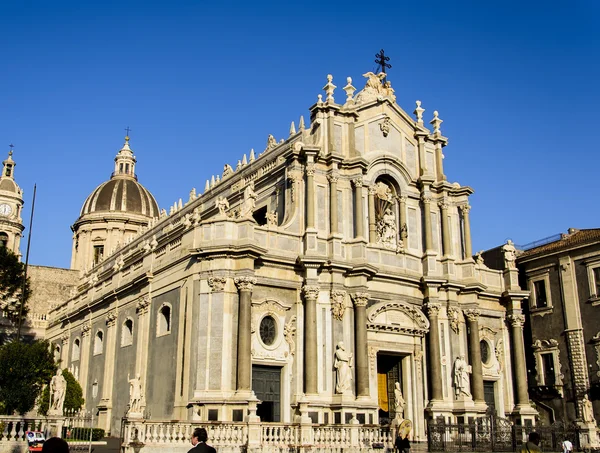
(398, 401)
(462, 384)
(272, 218)
(587, 410)
(342, 363)
(58, 390)
(227, 170)
(249, 203)
(271, 142)
(387, 228)
(373, 88)
(135, 394)
(223, 205)
(510, 254)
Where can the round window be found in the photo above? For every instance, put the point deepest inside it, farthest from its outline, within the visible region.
(485, 351)
(268, 330)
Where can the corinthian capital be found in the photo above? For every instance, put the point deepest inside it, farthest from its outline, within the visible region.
(357, 182)
(217, 284)
(472, 314)
(310, 170)
(245, 283)
(111, 318)
(142, 304)
(86, 328)
(443, 204)
(65, 338)
(426, 199)
(333, 178)
(516, 320)
(360, 299)
(433, 308)
(465, 208)
(311, 292)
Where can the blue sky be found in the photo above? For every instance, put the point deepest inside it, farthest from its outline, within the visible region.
(200, 83)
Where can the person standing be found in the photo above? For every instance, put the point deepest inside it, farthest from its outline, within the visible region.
(567, 446)
(199, 438)
(532, 445)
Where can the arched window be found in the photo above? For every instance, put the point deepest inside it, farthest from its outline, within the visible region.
(3, 239)
(99, 343)
(76, 349)
(127, 333)
(57, 353)
(163, 322)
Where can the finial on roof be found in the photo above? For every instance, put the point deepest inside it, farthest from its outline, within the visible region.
(10, 153)
(419, 112)
(207, 186)
(329, 89)
(349, 89)
(436, 123)
(244, 160)
(292, 128)
(218, 180)
(320, 99)
(252, 158)
(239, 165)
(212, 181)
(180, 204)
(301, 123)
(192, 194)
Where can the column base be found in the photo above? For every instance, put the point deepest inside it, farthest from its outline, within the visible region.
(588, 435)
(236, 406)
(525, 414)
(429, 261)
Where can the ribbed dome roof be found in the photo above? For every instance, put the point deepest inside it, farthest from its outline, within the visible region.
(124, 195)
(9, 185)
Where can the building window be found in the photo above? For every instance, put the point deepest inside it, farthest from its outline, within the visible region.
(163, 323)
(539, 287)
(98, 343)
(593, 271)
(8, 169)
(127, 333)
(268, 330)
(3, 240)
(484, 347)
(98, 253)
(547, 364)
(76, 350)
(596, 284)
(548, 368)
(56, 353)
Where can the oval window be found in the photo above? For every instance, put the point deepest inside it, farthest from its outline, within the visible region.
(268, 330)
(485, 351)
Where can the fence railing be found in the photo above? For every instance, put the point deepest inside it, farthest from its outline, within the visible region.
(149, 435)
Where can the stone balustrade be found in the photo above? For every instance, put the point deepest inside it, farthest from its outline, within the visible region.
(237, 437)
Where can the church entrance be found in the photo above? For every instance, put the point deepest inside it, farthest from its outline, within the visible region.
(389, 371)
(266, 383)
(489, 395)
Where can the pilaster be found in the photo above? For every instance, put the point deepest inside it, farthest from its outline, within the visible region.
(109, 370)
(360, 300)
(311, 294)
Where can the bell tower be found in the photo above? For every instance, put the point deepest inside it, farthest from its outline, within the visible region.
(11, 207)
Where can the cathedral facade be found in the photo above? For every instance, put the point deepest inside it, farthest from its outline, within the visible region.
(329, 278)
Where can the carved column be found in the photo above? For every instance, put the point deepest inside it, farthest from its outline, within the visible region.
(472, 316)
(244, 350)
(109, 365)
(435, 357)
(446, 240)
(310, 196)
(402, 208)
(516, 321)
(427, 222)
(467, 230)
(372, 222)
(333, 203)
(84, 352)
(311, 293)
(360, 343)
(359, 216)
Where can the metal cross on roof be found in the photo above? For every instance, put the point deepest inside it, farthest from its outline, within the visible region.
(127, 130)
(381, 62)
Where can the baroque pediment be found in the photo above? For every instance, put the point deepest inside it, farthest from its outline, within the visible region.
(398, 316)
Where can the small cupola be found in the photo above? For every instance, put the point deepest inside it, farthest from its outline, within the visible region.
(125, 162)
(8, 166)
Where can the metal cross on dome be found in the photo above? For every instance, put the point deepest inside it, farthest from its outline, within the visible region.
(127, 130)
(381, 62)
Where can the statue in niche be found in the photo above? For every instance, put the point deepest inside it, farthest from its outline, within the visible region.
(386, 229)
(510, 254)
(249, 203)
(272, 218)
(222, 205)
(399, 402)
(587, 410)
(462, 383)
(58, 391)
(135, 394)
(342, 364)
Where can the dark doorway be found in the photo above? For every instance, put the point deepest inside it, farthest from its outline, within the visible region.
(389, 371)
(489, 395)
(266, 383)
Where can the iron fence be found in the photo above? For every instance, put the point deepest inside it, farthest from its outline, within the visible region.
(496, 434)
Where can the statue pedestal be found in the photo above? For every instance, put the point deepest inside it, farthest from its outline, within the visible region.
(55, 426)
(588, 435)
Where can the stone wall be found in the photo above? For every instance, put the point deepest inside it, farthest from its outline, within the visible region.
(50, 285)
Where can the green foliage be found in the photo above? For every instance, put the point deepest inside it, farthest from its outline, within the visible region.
(12, 272)
(24, 371)
(73, 397)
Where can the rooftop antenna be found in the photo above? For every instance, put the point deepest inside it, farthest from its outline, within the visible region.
(381, 63)
(26, 265)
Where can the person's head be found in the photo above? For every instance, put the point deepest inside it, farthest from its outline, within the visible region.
(55, 445)
(534, 438)
(199, 435)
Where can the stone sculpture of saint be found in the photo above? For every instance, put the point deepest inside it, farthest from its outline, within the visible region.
(249, 202)
(135, 394)
(58, 390)
(398, 401)
(510, 254)
(388, 227)
(587, 410)
(342, 363)
(222, 205)
(462, 383)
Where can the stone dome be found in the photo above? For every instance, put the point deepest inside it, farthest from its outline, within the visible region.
(120, 194)
(9, 185)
